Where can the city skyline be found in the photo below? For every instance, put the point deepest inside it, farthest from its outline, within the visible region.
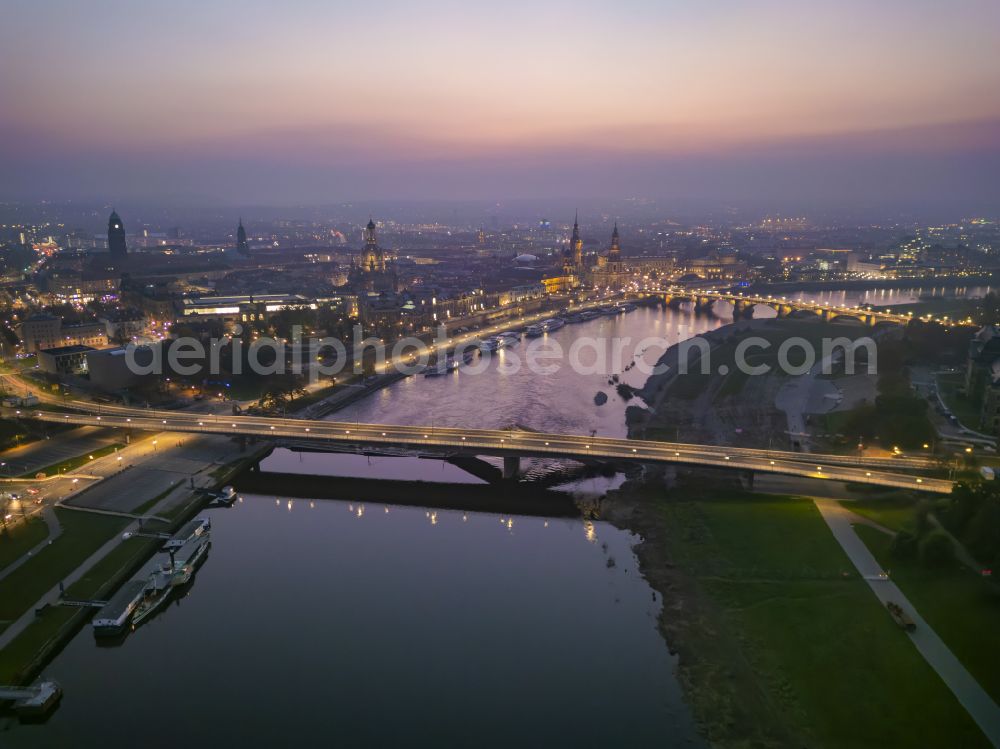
(774, 102)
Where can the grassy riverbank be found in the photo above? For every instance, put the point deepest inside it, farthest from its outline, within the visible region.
(82, 534)
(962, 607)
(890, 512)
(20, 538)
(780, 642)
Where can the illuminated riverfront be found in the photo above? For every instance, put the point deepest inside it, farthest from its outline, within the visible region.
(435, 375)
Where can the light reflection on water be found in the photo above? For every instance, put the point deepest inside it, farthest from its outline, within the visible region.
(384, 625)
(314, 621)
(887, 297)
(562, 402)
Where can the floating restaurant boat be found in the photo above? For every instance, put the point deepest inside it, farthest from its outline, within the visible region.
(114, 617)
(534, 331)
(553, 323)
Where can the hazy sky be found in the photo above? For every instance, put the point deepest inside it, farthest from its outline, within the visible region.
(302, 100)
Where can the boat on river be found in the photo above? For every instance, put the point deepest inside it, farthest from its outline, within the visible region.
(168, 577)
(435, 371)
(114, 616)
(155, 595)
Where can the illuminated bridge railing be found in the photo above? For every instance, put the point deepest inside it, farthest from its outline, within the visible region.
(449, 440)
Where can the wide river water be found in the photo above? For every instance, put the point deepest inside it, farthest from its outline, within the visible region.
(337, 622)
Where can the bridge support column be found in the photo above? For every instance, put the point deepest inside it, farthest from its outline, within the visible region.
(748, 477)
(511, 467)
(742, 309)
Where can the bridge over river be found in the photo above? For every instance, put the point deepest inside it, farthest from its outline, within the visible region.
(744, 303)
(510, 444)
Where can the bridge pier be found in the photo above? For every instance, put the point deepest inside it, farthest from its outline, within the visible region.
(742, 309)
(748, 477)
(511, 467)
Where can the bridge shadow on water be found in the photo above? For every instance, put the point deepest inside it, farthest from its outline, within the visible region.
(513, 497)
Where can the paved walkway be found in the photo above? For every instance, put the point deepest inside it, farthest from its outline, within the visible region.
(972, 696)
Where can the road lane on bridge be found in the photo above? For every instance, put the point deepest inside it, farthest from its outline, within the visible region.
(508, 443)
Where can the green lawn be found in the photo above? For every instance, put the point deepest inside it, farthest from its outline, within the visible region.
(892, 512)
(819, 644)
(124, 557)
(82, 535)
(20, 539)
(26, 647)
(961, 606)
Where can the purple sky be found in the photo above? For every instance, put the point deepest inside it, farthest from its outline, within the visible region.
(851, 102)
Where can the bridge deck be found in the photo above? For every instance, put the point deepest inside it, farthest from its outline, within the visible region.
(887, 472)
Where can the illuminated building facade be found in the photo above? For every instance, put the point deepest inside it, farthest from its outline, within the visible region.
(374, 271)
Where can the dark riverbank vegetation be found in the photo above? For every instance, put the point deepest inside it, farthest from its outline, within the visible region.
(898, 417)
(780, 641)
